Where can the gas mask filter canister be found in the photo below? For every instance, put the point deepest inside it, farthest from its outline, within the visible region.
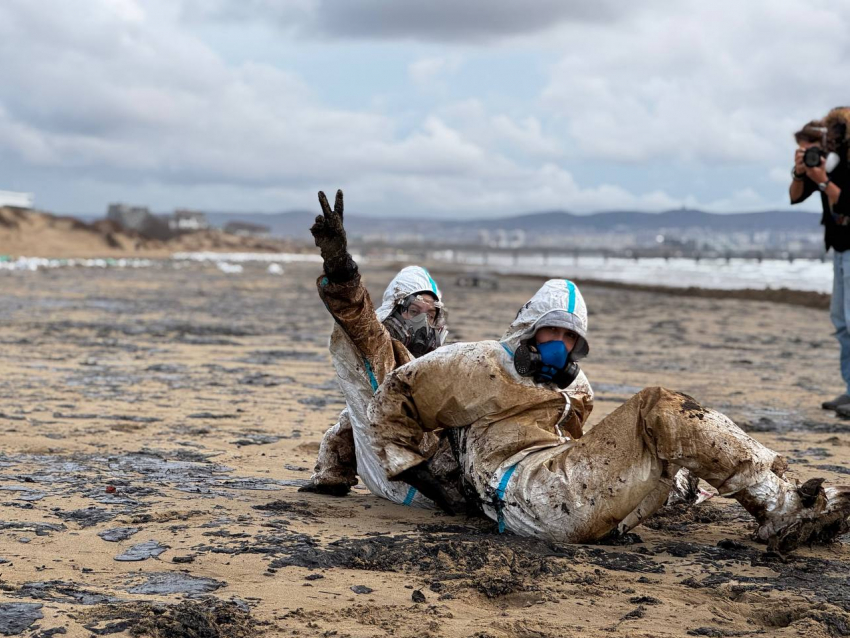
(547, 362)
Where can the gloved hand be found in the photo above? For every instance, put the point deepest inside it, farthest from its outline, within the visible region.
(329, 234)
(445, 496)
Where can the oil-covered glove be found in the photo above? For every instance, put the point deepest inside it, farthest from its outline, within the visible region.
(329, 234)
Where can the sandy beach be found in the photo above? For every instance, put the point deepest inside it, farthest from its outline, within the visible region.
(155, 425)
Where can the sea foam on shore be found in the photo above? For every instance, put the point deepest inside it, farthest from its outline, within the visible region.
(718, 274)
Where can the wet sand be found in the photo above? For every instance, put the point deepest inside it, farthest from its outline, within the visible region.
(155, 425)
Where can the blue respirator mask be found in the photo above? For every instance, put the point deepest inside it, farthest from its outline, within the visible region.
(548, 362)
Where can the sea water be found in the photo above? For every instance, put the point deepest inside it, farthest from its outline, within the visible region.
(732, 274)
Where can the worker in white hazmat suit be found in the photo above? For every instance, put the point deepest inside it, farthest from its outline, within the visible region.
(366, 345)
(517, 406)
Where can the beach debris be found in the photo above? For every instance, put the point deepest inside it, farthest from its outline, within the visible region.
(183, 559)
(299, 508)
(256, 439)
(163, 583)
(204, 618)
(417, 596)
(473, 280)
(142, 551)
(61, 591)
(16, 617)
(230, 269)
(24, 493)
(361, 589)
(40, 529)
(87, 517)
(272, 357)
(264, 380)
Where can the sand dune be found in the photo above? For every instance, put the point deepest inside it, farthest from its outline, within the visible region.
(34, 233)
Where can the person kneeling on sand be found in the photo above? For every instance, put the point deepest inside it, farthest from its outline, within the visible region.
(517, 407)
(365, 346)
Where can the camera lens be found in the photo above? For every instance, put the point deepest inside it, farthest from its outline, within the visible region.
(812, 156)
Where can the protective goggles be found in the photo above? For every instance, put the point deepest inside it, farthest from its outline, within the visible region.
(419, 304)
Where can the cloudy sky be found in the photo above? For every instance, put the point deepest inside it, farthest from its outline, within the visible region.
(443, 108)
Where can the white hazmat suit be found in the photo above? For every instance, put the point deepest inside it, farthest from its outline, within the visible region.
(523, 452)
(363, 353)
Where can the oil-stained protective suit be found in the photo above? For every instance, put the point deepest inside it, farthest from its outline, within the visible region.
(575, 488)
(363, 355)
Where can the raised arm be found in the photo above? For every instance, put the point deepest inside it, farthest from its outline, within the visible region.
(341, 290)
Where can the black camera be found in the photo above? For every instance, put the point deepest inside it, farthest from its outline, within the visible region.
(813, 156)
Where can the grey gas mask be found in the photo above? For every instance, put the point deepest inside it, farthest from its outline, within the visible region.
(419, 322)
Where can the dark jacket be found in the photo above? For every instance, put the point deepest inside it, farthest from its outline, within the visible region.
(835, 220)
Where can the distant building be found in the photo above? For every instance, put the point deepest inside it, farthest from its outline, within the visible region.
(502, 238)
(247, 229)
(18, 200)
(139, 219)
(130, 217)
(185, 219)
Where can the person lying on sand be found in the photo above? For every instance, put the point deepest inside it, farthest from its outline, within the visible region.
(365, 346)
(517, 407)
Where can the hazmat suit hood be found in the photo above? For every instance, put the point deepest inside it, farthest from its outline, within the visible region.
(408, 281)
(557, 304)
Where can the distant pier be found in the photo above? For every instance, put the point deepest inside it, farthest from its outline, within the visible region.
(486, 255)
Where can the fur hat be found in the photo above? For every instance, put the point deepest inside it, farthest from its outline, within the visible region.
(837, 124)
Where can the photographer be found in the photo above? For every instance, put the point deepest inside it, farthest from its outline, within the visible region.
(821, 164)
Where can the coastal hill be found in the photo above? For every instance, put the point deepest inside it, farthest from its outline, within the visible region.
(31, 233)
(25, 232)
(296, 224)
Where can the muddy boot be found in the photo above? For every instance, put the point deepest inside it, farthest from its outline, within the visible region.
(446, 496)
(336, 466)
(834, 404)
(330, 489)
(791, 516)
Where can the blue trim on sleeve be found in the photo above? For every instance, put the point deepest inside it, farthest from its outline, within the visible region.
(409, 498)
(371, 374)
(500, 495)
(508, 350)
(503, 484)
(571, 290)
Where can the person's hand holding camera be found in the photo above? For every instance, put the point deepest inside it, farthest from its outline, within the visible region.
(799, 164)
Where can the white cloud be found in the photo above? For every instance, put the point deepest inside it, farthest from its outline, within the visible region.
(781, 175)
(691, 83)
(145, 101)
(428, 73)
(125, 95)
(527, 135)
